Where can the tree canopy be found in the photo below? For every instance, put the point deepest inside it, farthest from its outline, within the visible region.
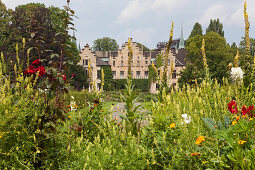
(197, 30)
(218, 54)
(105, 44)
(215, 26)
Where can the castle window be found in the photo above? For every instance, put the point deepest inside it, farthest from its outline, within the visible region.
(86, 71)
(138, 57)
(98, 74)
(114, 63)
(138, 63)
(146, 62)
(138, 74)
(121, 74)
(114, 74)
(146, 74)
(174, 74)
(122, 63)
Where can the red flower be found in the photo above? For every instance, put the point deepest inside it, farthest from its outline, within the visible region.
(41, 70)
(73, 75)
(64, 77)
(232, 107)
(244, 110)
(36, 62)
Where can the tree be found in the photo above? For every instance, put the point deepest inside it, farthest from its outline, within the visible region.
(218, 55)
(44, 31)
(5, 16)
(105, 44)
(242, 45)
(197, 30)
(143, 46)
(215, 26)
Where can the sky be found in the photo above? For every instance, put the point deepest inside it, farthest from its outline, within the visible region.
(149, 21)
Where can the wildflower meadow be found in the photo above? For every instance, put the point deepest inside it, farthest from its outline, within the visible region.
(47, 124)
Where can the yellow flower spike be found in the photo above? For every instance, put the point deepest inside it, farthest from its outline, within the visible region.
(172, 125)
(241, 142)
(247, 27)
(24, 42)
(236, 59)
(234, 122)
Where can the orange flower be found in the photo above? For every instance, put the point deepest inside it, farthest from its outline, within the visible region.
(69, 117)
(172, 125)
(244, 116)
(68, 106)
(195, 154)
(75, 106)
(199, 140)
(102, 111)
(116, 119)
(251, 119)
(238, 118)
(118, 124)
(95, 104)
(241, 142)
(234, 122)
(215, 126)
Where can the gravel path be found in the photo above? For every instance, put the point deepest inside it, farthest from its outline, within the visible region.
(118, 110)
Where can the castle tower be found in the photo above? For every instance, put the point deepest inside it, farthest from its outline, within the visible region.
(181, 43)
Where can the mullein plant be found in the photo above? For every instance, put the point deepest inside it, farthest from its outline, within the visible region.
(207, 75)
(130, 99)
(246, 60)
(163, 81)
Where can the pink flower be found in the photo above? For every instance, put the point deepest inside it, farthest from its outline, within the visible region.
(64, 77)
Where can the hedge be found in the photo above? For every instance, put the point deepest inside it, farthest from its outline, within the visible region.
(142, 84)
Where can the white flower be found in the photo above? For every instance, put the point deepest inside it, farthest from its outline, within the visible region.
(187, 118)
(72, 97)
(236, 73)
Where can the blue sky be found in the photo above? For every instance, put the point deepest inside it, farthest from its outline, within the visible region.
(149, 21)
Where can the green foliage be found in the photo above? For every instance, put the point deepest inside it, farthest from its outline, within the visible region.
(218, 55)
(105, 44)
(197, 30)
(242, 45)
(215, 26)
(141, 84)
(78, 76)
(108, 78)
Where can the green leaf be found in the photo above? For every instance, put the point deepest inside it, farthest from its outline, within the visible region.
(209, 123)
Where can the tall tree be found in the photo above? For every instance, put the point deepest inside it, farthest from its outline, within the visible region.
(197, 30)
(218, 55)
(215, 26)
(105, 44)
(5, 16)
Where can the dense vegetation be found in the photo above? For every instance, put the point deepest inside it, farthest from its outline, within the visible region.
(44, 124)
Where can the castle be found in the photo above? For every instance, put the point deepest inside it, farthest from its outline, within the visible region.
(118, 61)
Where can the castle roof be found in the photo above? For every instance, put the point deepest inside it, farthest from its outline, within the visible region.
(100, 62)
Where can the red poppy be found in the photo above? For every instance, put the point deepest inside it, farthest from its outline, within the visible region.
(73, 75)
(36, 62)
(31, 70)
(232, 107)
(41, 70)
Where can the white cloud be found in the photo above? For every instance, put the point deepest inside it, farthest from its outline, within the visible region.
(231, 14)
(136, 8)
